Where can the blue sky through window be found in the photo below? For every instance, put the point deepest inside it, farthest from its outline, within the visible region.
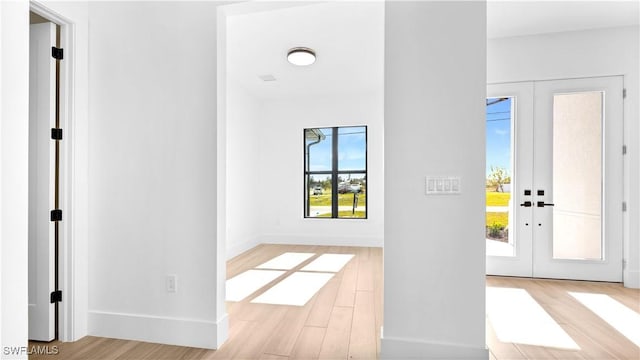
(351, 150)
(498, 117)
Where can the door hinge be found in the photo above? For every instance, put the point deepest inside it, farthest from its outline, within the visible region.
(624, 206)
(56, 134)
(56, 296)
(624, 93)
(56, 215)
(57, 53)
(624, 264)
(624, 149)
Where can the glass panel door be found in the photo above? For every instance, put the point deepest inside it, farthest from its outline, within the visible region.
(565, 204)
(577, 174)
(500, 118)
(509, 125)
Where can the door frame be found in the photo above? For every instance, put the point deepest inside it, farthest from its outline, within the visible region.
(68, 185)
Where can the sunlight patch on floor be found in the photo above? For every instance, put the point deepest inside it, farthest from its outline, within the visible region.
(620, 317)
(245, 284)
(329, 262)
(295, 290)
(517, 318)
(286, 261)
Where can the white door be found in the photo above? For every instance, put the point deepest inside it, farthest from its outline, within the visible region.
(510, 147)
(565, 209)
(42, 73)
(578, 138)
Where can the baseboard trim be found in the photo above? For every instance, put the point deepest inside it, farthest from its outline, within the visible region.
(632, 279)
(237, 249)
(324, 240)
(159, 329)
(395, 348)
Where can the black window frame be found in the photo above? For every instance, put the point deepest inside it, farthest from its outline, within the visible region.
(334, 172)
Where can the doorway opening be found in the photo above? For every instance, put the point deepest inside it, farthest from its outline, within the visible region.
(51, 186)
(265, 104)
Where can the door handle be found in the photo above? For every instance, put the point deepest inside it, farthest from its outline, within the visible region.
(543, 204)
(526, 204)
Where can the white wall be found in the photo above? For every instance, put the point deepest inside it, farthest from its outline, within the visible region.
(281, 166)
(245, 123)
(589, 53)
(14, 175)
(434, 256)
(153, 204)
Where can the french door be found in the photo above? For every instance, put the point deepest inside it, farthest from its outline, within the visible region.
(562, 215)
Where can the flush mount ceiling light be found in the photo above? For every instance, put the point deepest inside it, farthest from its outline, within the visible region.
(301, 56)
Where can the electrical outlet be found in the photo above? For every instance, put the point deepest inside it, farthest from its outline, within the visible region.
(172, 283)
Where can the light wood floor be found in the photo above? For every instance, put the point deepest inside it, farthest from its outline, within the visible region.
(596, 338)
(342, 321)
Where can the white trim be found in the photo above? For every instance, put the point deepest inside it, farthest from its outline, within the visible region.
(159, 329)
(222, 330)
(631, 279)
(324, 240)
(221, 175)
(399, 348)
(237, 249)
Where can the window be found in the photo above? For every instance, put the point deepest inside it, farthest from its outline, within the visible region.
(335, 172)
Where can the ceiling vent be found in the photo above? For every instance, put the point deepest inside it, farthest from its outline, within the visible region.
(267, 77)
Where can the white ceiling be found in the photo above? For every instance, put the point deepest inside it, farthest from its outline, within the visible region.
(516, 18)
(348, 38)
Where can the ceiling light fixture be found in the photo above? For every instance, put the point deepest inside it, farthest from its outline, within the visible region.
(301, 56)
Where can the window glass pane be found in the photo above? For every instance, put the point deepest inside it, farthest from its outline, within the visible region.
(352, 148)
(500, 239)
(577, 176)
(318, 149)
(335, 172)
(352, 196)
(318, 200)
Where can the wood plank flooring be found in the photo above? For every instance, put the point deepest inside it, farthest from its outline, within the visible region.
(342, 321)
(596, 338)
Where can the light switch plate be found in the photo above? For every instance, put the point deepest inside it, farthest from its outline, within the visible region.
(442, 185)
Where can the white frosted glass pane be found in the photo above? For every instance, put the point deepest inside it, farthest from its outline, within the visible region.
(295, 290)
(245, 284)
(576, 236)
(329, 262)
(286, 261)
(577, 175)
